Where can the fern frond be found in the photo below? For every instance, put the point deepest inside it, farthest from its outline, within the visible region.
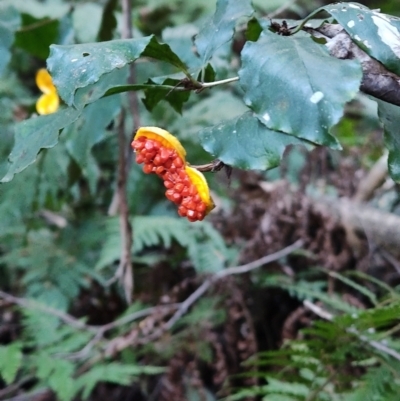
(205, 246)
(10, 361)
(114, 373)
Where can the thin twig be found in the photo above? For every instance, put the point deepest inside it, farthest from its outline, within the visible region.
(101, 330)
(12, 388)
(185, 305)
(133, 98)
(262, 261)
(374, 344)
(213, 166)
(125, 269)
(39, 394)
(31, 304)
(119, 200)
(134, 316)
(78, 324)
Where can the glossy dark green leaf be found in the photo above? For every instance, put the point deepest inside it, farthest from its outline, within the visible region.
(136, 87)
(208, 74)
(296, 87)
(35, 134)
(162, 52)
(376, 33)
(389, 115)
(253, 30)
(93, 92)
(220, 28)
(36, 35)
(246, 143)
(77, 66)
(10, 21)
(155, 94)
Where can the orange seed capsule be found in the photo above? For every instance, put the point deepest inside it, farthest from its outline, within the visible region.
(163, 154)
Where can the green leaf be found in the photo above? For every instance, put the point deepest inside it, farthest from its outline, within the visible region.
(205, 246)
(210, 110)
(89, 130)
(389, 115)
(290, 388)
(36, 35)
(10, 21)
(108, 21)
(57, 373)
(85, 31)
(220, 28)
(77, 66)
(113, 373)
(107, 85)
(156, 93)
(136, 87)
(253, 30)
(35, 134)
(40, 9)
(162, 52)
(10, 361)
(40, 329)
(246, 143)
(376, 33)
(180, 39)
(283, 83)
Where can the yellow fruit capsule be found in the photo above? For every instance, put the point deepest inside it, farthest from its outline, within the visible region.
(200, 182)
(48, 103)
(164, 137)
(44, 81)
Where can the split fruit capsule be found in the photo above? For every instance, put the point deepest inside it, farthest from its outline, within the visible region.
(162, 153)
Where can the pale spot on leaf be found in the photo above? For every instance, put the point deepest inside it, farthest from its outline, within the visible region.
(266, 117)
(366, 43)
(388, 33)
(316, 97)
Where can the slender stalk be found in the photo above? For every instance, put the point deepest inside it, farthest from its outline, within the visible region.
(216, 83)
(125, 269)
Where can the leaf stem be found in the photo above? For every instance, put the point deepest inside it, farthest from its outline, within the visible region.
(305, 20)
(221, 82)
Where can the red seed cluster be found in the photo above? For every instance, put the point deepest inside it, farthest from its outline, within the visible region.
(168, 165)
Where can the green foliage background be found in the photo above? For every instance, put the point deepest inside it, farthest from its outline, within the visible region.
(58, 240)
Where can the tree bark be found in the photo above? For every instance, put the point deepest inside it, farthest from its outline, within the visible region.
(377, 80)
